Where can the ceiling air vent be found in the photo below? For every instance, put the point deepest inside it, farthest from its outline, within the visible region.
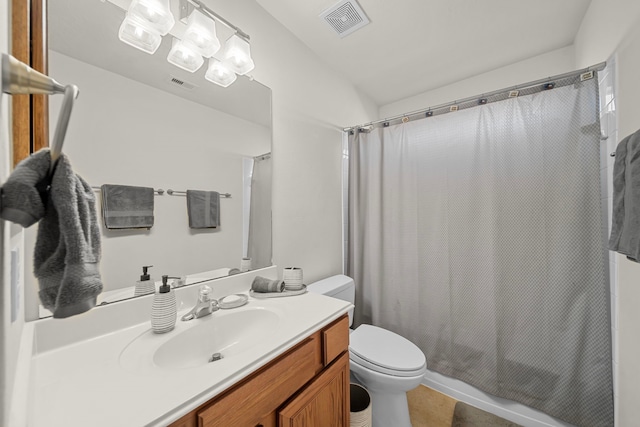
(178, 82)
(345, 17)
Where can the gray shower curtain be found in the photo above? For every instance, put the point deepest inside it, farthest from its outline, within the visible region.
(479, 236)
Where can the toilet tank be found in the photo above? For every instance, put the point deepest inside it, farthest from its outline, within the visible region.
(339, 286)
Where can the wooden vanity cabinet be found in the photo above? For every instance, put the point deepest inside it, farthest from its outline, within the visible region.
(306, 386)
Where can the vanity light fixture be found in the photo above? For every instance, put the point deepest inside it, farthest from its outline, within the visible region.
(155, 15)
(145, 24)
(147, 21)
(200, 34)
(219, 73)
(183, 56)
(237, 55)
(136, 35)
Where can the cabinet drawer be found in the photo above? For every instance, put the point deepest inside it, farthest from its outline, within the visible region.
(335, 339)
(255, 398)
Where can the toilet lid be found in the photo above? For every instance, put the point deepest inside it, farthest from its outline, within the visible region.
(385, 351)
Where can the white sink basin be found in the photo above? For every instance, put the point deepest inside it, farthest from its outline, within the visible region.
(192, 343)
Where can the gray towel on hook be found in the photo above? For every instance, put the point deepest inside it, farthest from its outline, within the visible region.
(625, 218)
(22, 203)
(125, 206)
(203, 209)
(67, 248)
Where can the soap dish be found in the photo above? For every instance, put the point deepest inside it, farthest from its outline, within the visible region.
(233, 301)
(285, 293)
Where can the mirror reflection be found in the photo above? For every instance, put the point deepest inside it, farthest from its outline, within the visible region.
(140, 121)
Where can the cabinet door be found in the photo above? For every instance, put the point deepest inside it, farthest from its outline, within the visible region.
(324, 402)
(247, 404)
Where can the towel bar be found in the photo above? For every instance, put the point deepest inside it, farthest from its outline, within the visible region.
(159, 191)
(182, 193)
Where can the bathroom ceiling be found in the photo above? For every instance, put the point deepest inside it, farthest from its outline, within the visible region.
(412, 46)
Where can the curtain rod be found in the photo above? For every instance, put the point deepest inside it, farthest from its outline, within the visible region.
(479, 98)
(263, 156)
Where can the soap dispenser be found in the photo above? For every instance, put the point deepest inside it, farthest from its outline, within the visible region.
(163, 309)
(145, 285)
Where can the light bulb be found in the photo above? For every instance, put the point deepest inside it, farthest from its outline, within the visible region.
(155, 15)
(237, 55)
(138, 36)
(219, 73)
(200, 34)
(181, 55)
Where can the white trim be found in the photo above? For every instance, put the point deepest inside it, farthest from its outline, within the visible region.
(508, 409)
(20, 396)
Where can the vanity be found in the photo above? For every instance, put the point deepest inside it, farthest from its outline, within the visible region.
(306, 386)
(284, 363)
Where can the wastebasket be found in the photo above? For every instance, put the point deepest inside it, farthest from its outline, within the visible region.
(360, 406)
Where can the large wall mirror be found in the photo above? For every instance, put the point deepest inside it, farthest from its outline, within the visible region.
(141, 121)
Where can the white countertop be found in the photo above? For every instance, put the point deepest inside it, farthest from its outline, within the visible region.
(85, 383)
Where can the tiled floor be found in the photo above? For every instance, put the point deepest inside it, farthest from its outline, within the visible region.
(429, 408)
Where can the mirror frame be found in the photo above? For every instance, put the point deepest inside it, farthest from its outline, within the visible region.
(29, 113)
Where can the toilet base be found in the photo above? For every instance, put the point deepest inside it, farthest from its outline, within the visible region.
(387, 409)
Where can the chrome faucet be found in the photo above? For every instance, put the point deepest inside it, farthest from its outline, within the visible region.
(178, 282)
(204, 307)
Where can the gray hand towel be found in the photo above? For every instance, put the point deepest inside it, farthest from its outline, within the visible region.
(125, 206)
(203, 209)
(263, 285)
(22, 203)
(625, 219)
(67, 248)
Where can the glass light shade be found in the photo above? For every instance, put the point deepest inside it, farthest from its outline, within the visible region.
(219, 73)
(200, 34)
(237, 55)
(154, 14)
(136, 35)
(184, 57)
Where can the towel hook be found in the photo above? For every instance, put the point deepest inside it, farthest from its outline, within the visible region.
(70, 94)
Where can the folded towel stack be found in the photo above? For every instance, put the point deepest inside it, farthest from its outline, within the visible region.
(67, 248)
(125, 206)
(264, 285)
(203, 209)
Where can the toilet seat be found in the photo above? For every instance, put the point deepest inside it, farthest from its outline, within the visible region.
(385, 352)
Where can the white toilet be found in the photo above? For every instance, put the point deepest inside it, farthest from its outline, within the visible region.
(385, 363)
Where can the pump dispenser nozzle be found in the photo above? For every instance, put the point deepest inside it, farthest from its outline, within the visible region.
(144, 277)
(165, 286)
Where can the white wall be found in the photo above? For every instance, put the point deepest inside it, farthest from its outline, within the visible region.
(613, 28)
(545, 65)
(311, 105)
(605, 25)
(124, 132)
(11, 238)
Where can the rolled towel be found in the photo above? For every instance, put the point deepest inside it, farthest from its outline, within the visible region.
(264, 285)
